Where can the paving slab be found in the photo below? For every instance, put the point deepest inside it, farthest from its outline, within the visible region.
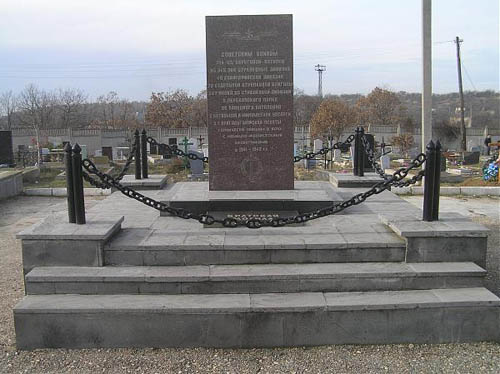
(407, 225)
(152, 182)
(350, 180)
(56, 227)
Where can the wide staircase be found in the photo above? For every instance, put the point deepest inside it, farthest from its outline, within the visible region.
(255, 293)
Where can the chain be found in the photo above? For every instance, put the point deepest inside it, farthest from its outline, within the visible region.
(371, 157)
(256, 223)
(310, 155)
(177, 151)
(378, 169)
(118, 178)
(325, 150)
(130, 158)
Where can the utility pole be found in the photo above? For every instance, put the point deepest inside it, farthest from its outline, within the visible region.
(461, 91)
(320, 69)
(426, 73)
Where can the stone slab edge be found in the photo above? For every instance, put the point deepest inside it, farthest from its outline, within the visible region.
(61, 192)
(448, 226)
(80, 232)
(450, 191)
(284, 302)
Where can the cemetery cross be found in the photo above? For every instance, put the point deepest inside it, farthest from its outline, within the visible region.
(185, 143)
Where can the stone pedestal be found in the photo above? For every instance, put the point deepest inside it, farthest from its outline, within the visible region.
(153, 182)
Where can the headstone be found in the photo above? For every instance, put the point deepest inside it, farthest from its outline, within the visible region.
(84, 151)
(108, 151)
(385, 162)
(205, 150)
(337, 155)
(371, 140)
(196, 166)
(443, 163)
(250, 102)
(194, 144)
(470, 158)
(318, 144)
(6, 148)
(476, 149)
(153, 150)
(295, 149)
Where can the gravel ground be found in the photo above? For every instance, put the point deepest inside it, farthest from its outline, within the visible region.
(401, 358)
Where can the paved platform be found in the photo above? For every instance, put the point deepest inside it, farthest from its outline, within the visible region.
(152, 182)
(374, 273)
(306, 196)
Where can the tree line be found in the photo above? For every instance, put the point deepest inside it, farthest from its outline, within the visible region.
(328, 116)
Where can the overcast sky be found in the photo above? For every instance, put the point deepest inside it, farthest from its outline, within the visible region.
(136, 47)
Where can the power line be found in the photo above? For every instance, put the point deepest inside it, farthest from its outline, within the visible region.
(468, 77)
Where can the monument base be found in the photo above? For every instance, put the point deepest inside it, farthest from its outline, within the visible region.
(153, 182)
(306, 196)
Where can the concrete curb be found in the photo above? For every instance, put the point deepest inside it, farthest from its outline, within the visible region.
(450, 191)
(61, 192)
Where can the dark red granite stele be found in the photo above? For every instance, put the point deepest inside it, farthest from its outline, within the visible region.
(250, 102)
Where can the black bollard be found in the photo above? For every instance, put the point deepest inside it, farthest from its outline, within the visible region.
(69, 182)
(137, 155)
(432, 181)
(359, 153)
(79, 202)
(437, 182)
(144, 154)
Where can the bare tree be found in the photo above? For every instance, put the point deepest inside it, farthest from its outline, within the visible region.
(304, 107)
(36, 110)
(380, 107)
(70, 105)
(169, 109)
(332, 118)
(108, 107)
(200, 110)
(8, 106)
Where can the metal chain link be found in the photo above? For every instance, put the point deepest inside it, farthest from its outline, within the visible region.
(371, 157)
(325, 150)
(378, 169)
(255, 223)
(119, 177)
(177, 151)
(130, 158)
(310, 155)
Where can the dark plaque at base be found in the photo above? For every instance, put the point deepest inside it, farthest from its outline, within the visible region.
(250, 102)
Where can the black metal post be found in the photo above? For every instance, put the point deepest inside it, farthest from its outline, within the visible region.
(432, 181)
(144, 155)
(437, 182)
(359, 153)
(69, 182)
(79, 202)
(137, 155)
(361, 156)
(355, 152)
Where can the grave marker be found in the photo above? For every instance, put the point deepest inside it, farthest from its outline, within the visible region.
(250, 101)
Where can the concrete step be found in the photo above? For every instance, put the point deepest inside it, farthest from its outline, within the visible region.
(213, 279)
(257, 320)
(156, 247)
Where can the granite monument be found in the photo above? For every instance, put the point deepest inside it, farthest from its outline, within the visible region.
(250, 101)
